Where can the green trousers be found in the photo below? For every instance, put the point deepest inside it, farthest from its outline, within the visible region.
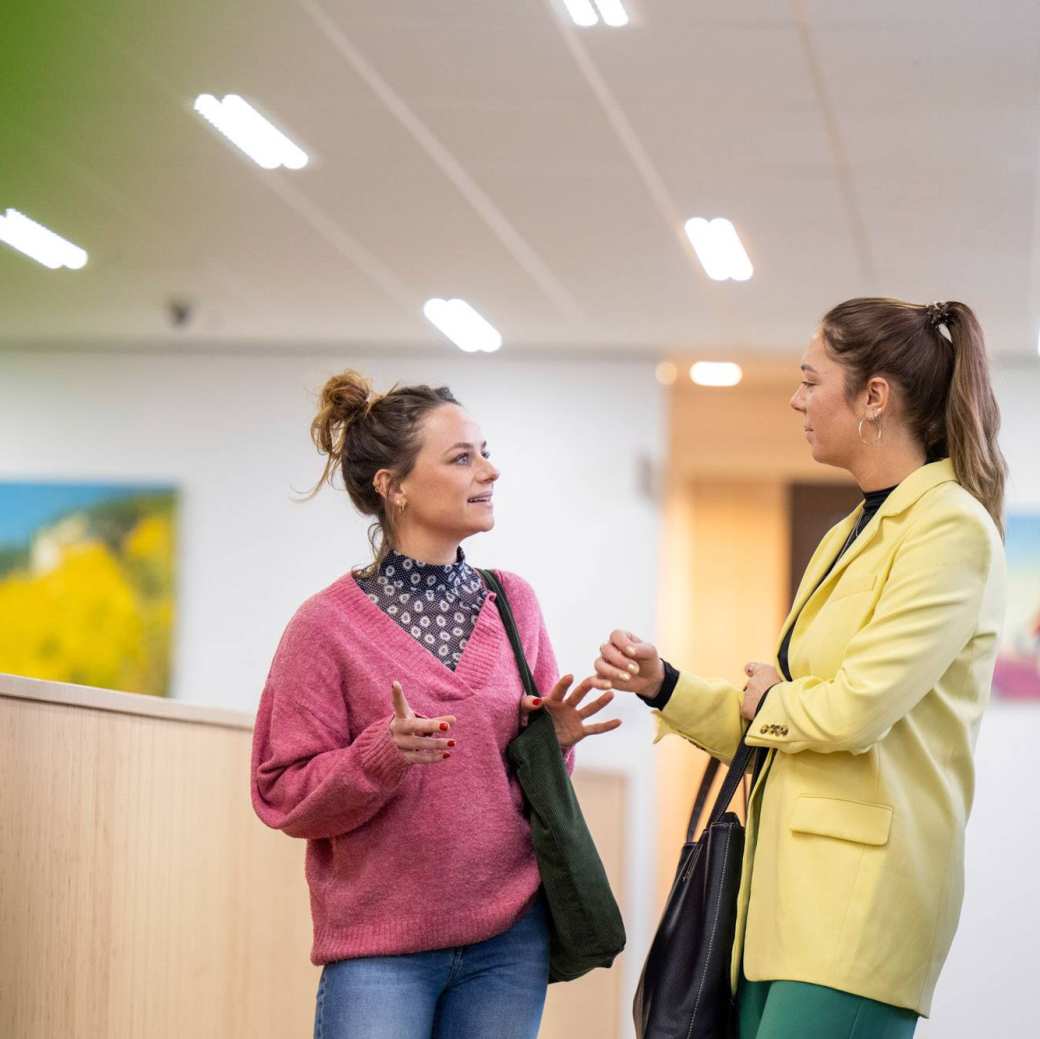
(796, 1010)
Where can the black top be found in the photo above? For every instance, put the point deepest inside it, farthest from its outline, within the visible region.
(872, 502)
(436, 604)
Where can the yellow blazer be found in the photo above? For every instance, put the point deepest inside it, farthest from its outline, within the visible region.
(854, 860)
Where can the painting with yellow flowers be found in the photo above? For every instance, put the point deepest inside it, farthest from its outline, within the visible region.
(87, 583)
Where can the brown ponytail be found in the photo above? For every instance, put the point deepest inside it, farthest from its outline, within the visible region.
(973, 415)
(937, 356)
(361, 431)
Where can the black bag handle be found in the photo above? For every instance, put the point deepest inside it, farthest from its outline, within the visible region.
(509, 623)
(710, 771)
(737, 770)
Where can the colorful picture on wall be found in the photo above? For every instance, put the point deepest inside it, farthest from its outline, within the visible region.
(87, 583)
(1018, 666)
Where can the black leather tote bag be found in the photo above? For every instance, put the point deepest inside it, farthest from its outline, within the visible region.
(684, 990)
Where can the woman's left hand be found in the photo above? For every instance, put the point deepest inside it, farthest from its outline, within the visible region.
(568, 716)
(761, 678)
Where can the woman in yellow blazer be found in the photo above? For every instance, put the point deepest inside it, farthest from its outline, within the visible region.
(854, 858)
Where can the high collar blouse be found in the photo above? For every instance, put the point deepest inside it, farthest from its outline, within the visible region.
(437, 604)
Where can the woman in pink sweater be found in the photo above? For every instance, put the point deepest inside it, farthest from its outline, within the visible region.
(381, 733)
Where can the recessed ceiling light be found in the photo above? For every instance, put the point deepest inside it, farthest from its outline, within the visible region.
(39, 243)
(467, 329)
(719, 249)
(666, 373)
(245, 127)
(716, 373)
(584, 12)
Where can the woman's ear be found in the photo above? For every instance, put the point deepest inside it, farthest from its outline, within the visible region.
(878, 395)
(383, 483)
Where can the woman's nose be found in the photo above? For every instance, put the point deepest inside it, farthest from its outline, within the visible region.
(796, 401)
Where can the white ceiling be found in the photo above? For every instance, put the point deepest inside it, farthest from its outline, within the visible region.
(487, 149)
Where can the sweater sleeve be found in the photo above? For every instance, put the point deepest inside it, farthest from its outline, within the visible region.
(311, 776)
(926, 615)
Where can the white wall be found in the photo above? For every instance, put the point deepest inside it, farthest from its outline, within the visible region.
(232, 432)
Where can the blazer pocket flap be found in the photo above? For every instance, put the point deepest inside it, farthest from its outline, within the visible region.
(846, 820)
(850, 584)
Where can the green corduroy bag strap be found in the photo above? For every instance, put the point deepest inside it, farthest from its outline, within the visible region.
(586, 929)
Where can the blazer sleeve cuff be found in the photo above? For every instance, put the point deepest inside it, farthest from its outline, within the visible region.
(770, 727)
(705, 713)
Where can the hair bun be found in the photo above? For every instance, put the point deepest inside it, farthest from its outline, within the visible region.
(345, 398)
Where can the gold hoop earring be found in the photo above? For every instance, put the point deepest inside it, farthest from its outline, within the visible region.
(402, 505)
(879, 433)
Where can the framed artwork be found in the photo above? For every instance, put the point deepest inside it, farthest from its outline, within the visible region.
(87, 583)
(1017, 676)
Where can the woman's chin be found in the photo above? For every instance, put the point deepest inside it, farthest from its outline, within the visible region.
(480, 527)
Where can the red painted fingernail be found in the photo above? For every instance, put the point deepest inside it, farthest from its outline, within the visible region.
(538, 701)
(446, 755)
(451, 743)
(444, 726)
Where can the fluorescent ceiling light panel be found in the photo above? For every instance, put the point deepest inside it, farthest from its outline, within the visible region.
(613, 13)
(716, 373)
(39, 243)
(585, 14)
(245, 127)
(719, 249)
(463, 325)
(582, 12)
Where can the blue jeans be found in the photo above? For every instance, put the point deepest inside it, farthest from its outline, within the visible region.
(494, 988)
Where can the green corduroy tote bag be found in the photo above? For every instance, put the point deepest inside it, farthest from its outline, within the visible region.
(586, 926)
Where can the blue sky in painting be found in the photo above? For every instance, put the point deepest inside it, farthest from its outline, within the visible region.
(25, 507)
(1023, 540)
(1023, 587)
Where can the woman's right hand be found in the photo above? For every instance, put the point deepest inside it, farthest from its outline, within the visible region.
(627, 662)
(420, 741)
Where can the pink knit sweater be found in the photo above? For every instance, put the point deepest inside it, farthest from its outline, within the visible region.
(400, 858)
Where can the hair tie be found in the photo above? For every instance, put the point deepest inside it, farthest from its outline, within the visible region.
(940, 317)
(939, 314)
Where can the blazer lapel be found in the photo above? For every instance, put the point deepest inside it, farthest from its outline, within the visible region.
(918, 483)
(906, 494)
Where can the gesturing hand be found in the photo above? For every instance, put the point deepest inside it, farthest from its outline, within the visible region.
(626, 662)
(421, 741)
(567, 715)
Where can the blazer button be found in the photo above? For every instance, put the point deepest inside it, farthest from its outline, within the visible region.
(764, 729)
